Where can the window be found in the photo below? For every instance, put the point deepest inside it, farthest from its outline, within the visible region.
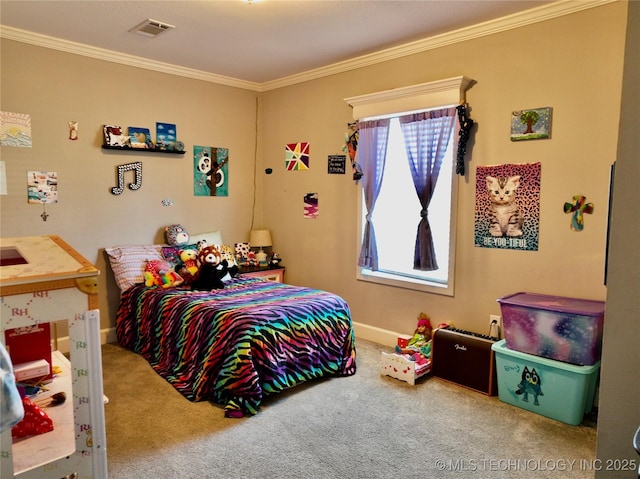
(397, 211)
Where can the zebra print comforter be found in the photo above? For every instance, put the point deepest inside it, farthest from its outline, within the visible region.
(235, 345)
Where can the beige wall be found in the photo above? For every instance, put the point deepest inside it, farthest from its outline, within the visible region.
(55, 88)
(559, 63)
(573, 64)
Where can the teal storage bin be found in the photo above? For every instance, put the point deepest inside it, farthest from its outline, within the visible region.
(554, 389)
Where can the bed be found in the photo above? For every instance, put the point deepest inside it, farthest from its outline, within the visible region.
(236, 345)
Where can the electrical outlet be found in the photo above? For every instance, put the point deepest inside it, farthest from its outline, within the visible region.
(497, 327)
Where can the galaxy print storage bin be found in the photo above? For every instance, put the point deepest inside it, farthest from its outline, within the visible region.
(554, 327)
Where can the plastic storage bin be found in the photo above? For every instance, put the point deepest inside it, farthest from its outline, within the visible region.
(554, 327)
(554, 389)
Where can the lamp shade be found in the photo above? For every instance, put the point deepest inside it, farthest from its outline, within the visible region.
(260, 238)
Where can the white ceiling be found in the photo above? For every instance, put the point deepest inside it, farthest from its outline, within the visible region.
(256, 42)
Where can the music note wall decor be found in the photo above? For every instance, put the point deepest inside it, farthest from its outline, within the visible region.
(122, 169)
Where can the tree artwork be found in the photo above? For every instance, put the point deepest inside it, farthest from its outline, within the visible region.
(531, 124)
(529, 118)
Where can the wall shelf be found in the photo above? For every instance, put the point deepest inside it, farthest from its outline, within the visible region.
(142, 150)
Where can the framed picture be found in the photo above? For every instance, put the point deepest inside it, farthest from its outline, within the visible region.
(165, 135)
(337, 164)
(534, 124)
(113, 136)
(140, 137)
(210, 171)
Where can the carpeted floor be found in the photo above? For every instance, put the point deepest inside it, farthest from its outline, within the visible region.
(364, 426)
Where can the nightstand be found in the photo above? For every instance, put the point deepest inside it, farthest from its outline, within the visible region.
(270, 274)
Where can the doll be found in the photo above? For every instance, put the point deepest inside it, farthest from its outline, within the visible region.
(419, 346)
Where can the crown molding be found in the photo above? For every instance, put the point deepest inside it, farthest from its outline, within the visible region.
(509, 22)
(59, 44)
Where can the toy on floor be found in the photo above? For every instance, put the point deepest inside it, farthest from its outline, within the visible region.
(398, 366)
(419, 346)
(412, 357)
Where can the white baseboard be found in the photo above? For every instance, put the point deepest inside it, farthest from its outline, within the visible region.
(374, 334)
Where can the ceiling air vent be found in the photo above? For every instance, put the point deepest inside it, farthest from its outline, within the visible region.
(151, 28)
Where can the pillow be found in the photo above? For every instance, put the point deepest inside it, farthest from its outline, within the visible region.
(128, 262)
(214, 237)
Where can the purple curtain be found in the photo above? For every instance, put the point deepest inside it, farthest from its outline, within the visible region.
(426, 137)
(371, 155)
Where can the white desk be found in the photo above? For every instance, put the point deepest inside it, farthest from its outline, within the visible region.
(56, 283)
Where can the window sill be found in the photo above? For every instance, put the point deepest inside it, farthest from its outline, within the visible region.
(408, 283)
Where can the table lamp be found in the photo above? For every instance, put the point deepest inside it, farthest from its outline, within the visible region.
(260, 239)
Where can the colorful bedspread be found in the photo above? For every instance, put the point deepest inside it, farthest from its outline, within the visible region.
(235, 345)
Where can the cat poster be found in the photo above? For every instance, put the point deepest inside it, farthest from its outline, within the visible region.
(507, 212)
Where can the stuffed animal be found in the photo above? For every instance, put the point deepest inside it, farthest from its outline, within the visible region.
(209, 275)
(160, 273)
(229, 270)
(275, 260)
(242, 252)
(252, 261)
(189, 258)
(176, 235)
(214, 270)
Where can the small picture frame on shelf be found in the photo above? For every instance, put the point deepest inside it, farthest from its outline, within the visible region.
(140, 137)
(165, 136)
(113, 136)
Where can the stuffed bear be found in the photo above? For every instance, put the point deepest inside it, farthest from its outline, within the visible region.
(209, 275)
(160, 273)
(176, 235)
(213, 271)
(189, 258)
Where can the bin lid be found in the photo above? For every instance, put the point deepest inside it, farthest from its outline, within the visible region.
(585, 307)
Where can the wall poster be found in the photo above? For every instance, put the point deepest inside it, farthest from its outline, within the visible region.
(311, 205)
(15, 129)
(210, 171)
(507, 212)
(297, 156)
(42, 187)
